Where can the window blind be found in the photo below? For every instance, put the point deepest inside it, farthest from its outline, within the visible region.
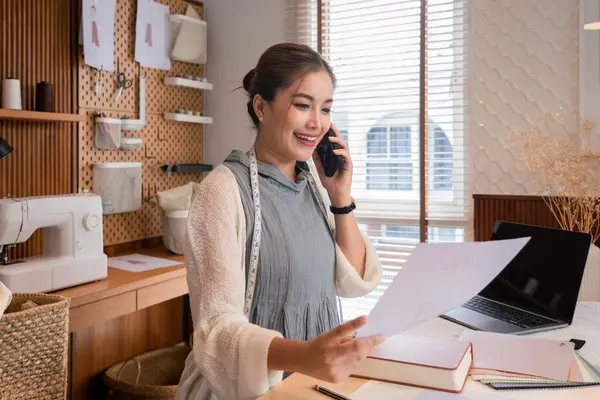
(400, 103)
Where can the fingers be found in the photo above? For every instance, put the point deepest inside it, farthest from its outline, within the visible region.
(342, 152)
(339, 140)
(347, 164)
(363, 346)
(345, 330)
(357, 350)
(346, 339)
(339, 354)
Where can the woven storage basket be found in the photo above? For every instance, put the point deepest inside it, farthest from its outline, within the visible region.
(152, 375)
(34, 348)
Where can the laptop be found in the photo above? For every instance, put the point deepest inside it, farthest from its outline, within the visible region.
(537, 291)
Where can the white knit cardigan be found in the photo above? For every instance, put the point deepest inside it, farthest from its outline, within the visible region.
(228, 351)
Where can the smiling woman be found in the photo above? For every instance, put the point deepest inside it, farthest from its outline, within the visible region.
(291, 94)
(256, 317)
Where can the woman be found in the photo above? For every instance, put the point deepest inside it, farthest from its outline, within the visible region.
(257, 316)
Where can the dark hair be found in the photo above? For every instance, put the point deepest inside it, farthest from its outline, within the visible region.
(278, 67)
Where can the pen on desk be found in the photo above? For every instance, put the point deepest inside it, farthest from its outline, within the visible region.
(330, 393)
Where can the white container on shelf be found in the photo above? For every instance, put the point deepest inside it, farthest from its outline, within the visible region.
(188, 33)
(132, 125)
(108, 133)
(175, 81)
(119, 185)
(188, 118)
(131, 143)
(174, 229)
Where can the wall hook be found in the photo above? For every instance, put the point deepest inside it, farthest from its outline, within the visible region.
(150, 197)
(158, 136)
(140, 73)
(146, 153)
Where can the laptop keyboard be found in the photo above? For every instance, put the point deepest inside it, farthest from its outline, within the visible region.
(506, 313)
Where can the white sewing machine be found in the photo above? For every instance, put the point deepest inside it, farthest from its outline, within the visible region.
(73, 250)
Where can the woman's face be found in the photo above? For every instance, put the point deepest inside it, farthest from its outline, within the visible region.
(298, 117)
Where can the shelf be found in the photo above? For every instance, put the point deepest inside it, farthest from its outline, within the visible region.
(188, 118)
(188, 83)
(186, 168)
(23, 115)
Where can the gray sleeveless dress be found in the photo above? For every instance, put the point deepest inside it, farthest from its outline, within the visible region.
(295, 286)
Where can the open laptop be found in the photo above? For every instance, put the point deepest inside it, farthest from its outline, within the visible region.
(538, 289)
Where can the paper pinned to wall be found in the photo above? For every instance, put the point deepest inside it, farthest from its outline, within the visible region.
(98, 20)
(152, 35)
(436, 278)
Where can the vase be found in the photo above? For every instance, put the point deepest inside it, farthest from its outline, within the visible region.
(590, 285)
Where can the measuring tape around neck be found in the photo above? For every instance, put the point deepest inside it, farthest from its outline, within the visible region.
(256, 235)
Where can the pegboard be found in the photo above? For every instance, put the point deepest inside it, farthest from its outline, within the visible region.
(164, 142)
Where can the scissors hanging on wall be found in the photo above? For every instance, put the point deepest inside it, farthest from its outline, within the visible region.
(122, 83)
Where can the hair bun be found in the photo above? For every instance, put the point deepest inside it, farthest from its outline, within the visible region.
(248, 79)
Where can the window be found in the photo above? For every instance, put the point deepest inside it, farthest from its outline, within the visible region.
(386, 146)
(344, 134)
(401, 232)
(400, 101)
(442, 161)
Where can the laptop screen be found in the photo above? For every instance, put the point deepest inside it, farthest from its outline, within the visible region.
(546, 274)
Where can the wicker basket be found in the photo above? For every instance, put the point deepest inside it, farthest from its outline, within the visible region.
(152, 375)
(34, 347)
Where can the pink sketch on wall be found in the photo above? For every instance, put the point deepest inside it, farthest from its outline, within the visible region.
(95, 39)
(95, 35)
(149, 34)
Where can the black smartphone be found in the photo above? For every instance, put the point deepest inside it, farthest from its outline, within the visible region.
(331, 161)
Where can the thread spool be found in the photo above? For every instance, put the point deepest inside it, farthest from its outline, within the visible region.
(11, 94)
(43, 97)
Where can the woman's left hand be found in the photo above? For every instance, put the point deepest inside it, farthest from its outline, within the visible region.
(337, 186)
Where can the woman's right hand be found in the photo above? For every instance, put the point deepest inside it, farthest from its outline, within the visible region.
(334, 355)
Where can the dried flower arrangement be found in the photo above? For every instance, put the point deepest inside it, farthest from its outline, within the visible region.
(569, 173)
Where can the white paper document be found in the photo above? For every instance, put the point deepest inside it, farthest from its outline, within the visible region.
(151, 35)
(140, 262)
(436, 278)
(372, 390)
(98, 19)
(546, 358)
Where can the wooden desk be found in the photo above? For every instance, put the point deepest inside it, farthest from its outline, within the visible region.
(124, 292)
(124, 315)
(585, 326)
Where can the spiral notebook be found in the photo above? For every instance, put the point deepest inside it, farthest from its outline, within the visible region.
(582, 374)
(535, 386)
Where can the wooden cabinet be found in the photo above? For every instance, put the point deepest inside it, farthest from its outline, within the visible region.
(122, 316)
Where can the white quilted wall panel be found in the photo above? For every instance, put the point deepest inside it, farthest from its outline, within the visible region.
(524, 62)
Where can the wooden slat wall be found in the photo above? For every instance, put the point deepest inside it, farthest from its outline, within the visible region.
(37, 44)
(522, 209)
